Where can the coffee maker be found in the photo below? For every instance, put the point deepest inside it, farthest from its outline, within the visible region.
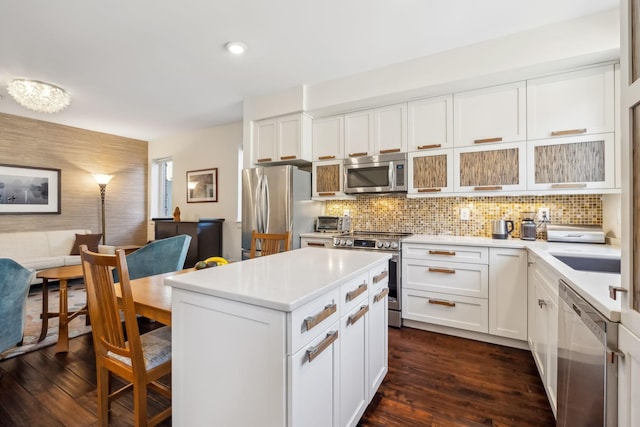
(528, 226)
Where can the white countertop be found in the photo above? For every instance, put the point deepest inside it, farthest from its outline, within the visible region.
(283, 281)
(593, 287)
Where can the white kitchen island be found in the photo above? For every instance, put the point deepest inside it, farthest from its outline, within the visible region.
(292, 339)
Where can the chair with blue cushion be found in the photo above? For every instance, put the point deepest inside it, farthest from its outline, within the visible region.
(14, 289)
(157, 257)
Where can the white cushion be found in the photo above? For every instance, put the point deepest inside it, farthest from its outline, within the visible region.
(41, 263)
(72, 260)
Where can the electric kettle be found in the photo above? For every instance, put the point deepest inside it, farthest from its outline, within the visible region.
(501, 228)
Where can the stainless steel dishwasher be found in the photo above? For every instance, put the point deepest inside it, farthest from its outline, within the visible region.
(587, 364)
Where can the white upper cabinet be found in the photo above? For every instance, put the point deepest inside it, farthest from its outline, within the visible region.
(390, 134)
(575, 103)
(379, 131)
(328, 138)
(264, 141)
(490, 115)
(430, 123)
(285, 139)
(358, 134)
(571, 163)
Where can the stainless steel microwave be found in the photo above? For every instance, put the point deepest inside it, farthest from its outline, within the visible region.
(376, 174)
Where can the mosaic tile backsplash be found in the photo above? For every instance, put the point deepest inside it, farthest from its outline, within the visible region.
(442, 215)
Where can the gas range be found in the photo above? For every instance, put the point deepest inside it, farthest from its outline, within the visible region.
(371, 240)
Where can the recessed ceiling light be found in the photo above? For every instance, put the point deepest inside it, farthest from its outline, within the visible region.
(237, 48)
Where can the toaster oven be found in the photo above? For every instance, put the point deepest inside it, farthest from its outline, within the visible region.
(333, 223)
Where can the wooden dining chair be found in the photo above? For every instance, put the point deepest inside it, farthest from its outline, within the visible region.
(269, 243)
(140, 360)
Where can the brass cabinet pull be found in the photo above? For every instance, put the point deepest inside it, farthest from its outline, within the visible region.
(266, 159)
(358, 154)
(488, 188)
(572, 185)
(486, 140)
(429, 190)
(442, 270)
(441, 302)
(426, 147)
(327, 194)
(568, 132)
(383, 293)
(321, 245)
(380, 276)
(355, 317)
(316, 350)
(390, 150)
(326, 157)
(351, 295)
(312, 321)
(438, 252)
(292, 157)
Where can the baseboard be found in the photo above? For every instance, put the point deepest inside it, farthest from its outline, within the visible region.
(477, 336)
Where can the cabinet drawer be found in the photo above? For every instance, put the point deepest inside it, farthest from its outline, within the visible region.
(447, 277)
(378, 277)
(472, 254)
(312, 317)
(447, 310)
(316, 242)
(353, 292)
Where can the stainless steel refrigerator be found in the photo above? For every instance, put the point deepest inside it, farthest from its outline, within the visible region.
(277, 199)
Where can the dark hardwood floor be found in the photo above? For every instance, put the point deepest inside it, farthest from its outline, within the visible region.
(433, 380)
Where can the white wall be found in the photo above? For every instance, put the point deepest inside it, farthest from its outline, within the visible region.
(215, 147)
(533, 53)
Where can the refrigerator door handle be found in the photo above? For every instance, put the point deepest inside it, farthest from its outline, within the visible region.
(266, 205)
(258, 206)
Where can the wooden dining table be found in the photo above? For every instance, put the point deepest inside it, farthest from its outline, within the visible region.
(151, 297)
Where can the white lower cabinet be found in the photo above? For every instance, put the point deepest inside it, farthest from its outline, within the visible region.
(439, 288)
(628, 378)
(543, 325)
(378, 331)
(508, 293)
(447, 310)
(317, 242)
(474, 288)
(314, 383)
(353, 363)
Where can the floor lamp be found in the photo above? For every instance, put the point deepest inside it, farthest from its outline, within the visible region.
(102, 181)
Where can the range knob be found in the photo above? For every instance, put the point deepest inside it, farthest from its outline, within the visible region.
(379, 244)
(349, 242)
(394, 245)
(387, 245)
(336, 242)
(342, 242)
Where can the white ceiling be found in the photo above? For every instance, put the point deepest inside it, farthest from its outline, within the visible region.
(154, 68)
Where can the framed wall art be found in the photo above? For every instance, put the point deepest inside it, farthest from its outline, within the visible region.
(202, 185)
(29, 190)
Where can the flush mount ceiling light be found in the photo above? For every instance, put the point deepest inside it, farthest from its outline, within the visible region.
(237, 48)
(38, 96)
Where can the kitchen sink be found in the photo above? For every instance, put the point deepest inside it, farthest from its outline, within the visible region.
(595, 263)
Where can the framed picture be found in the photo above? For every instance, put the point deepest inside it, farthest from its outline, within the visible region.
(29, 190)
(202, 186)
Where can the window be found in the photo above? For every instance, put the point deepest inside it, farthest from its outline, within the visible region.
(162, 185)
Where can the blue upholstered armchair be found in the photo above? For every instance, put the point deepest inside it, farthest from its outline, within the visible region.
(157, 257)
(14, 288)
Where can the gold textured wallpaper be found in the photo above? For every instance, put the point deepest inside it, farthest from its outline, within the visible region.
(442, 215)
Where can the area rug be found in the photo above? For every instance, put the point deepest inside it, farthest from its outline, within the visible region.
(76, 299)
